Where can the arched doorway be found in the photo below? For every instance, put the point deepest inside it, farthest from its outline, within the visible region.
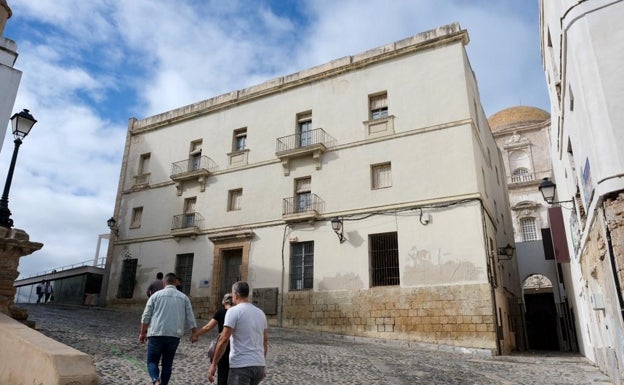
(541, 313)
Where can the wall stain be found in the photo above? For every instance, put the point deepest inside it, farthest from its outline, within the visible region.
(424, 268)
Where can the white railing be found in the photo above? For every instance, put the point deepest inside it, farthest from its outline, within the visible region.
(101, 262)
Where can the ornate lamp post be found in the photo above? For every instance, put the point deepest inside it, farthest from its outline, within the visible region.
(22, 123)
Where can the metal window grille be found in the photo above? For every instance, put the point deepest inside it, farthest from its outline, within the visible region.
(384, 259)
(529, 231)
(302, 265)
(184, 271)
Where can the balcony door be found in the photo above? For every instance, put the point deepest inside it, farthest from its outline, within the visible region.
(303, 195)
(189, 212)
(304, 130)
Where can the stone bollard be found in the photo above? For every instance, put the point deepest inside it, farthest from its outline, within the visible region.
(14, 244)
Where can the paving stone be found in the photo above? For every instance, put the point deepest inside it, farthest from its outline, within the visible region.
(302, 357)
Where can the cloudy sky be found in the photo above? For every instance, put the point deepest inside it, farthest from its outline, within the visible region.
(88, 66)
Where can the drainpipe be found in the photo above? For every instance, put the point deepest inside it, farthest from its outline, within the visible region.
(490, 264)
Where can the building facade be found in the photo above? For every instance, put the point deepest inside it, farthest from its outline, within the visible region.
(9, 76)
(583, 49)
(523, 135)
(365, 196)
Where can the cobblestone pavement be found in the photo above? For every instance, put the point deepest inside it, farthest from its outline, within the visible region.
(300, 357)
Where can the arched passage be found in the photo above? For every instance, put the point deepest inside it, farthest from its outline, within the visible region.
(541, 313)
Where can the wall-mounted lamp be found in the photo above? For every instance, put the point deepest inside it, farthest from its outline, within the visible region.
(506, 253)
(336, 224)
(112, 224)
(548, 190)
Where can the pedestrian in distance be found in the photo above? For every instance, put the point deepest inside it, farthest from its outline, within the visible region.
(163, 322)
(49, 292)
(156, 285)
(245, 327)
(218, 320)
(40, 290)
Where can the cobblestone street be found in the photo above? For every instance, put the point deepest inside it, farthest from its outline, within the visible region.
(297, 357)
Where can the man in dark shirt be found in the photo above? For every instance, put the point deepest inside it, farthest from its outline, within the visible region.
(156, 285)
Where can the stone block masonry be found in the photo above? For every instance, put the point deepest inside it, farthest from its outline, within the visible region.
(458, 315)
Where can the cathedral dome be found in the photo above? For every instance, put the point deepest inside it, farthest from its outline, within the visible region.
(517, 116)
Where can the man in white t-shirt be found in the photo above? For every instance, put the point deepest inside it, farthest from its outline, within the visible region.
(246, 328)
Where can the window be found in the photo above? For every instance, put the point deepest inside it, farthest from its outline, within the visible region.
(142, 176)
(304, 129)
(137, 214)
(528, 228)
(497, 177)
(384, 259)
(484, 182)
(521, 175)
(303, 194)
(240, 139)
(235, 198)
(189, 212)
(301, 265)
(195, 155)
(378, 105)
(184, 271)
(381, 176)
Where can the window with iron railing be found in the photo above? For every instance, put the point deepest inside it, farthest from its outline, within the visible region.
(521, 175)
(301, 265)
(384, 259)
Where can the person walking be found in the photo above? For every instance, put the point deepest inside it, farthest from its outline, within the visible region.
(218, 320)
(49, 292)
(156, 285)
(40, 290)
(245, 327)
(166, 314)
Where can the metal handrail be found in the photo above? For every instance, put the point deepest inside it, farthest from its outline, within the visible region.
(302, 140)
(297, 204)
(187, 220)
(100, 262)
(190, 165)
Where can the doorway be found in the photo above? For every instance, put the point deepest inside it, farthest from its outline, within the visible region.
(231, 261)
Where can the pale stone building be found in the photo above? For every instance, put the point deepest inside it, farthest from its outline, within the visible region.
(583, 52)
(10, 77)
(365, 196)
(522, 134)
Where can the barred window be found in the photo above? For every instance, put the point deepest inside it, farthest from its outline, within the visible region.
(384, 259)
(184, 271)
(528, 228)
(302, 265)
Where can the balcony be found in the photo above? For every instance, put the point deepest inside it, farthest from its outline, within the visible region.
(186, 225)
(313, 142)
(195, 168)
(302, 208)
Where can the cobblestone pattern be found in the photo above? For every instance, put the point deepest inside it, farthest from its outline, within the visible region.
(298, 357)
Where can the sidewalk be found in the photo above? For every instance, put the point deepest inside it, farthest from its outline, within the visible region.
(299, 357)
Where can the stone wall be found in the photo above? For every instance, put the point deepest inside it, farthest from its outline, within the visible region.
(447, 315)
(614, 212)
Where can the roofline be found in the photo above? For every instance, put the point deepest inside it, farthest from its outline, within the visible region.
(443, 35)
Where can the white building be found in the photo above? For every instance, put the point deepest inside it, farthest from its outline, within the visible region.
(583, 52)
(391, 144)
(523, 135)
(9, 76)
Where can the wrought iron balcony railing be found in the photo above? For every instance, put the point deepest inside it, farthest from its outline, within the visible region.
(302, 204)
(187, 221)
(302, 140)
(200, 164)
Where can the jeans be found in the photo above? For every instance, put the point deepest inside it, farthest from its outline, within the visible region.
(250, 375)
(161, 347)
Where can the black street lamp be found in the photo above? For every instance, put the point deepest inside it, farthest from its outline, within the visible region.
(22, 123)
(548, 189)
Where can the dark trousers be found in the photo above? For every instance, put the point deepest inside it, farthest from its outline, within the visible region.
(161, 348)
